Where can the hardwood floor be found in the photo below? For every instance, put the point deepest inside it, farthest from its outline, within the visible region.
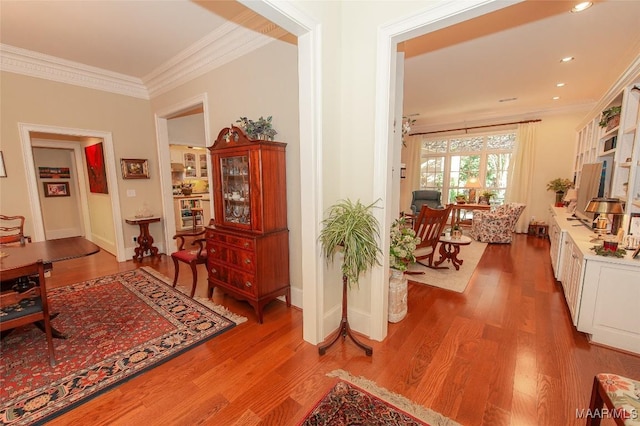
(504, 352)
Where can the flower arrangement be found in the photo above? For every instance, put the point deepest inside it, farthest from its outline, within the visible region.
(403, 244)
(559, 185)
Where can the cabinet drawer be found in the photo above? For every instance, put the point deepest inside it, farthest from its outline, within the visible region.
(224, 254)
(243, 243)
(226, 277)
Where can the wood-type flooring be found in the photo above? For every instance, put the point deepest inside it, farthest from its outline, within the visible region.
(504, 352)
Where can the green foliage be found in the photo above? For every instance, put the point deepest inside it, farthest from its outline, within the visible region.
(600, 251)
(403, 244)
(559, 185)
(255, 129)
(608, 113)
(352, 229)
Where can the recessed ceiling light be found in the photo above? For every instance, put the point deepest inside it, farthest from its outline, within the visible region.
(567, 59)
(555, 98)
(560, 85)
(582, 6)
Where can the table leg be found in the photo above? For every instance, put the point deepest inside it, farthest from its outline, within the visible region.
(444, 254)
(454, 256)
(145, 243)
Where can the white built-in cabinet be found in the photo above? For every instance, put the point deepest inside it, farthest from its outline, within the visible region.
(602, 293)
(618, 147)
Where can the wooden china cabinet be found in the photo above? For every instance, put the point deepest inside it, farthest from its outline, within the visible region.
(248, 241)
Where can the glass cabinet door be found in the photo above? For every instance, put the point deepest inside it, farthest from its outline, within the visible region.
(235, 189)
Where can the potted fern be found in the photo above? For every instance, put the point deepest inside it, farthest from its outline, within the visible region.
(352, 230)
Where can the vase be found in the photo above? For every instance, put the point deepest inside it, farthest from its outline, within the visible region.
(397, 295)
(559, 195)
(456, 234)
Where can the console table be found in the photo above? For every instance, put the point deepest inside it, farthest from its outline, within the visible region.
(145, 240)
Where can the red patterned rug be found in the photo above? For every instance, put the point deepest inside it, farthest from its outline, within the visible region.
(358, 401)
(117, 326)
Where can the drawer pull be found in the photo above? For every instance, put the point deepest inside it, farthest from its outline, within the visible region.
(248, 284)
(246, 244)
(247, 261)
(212, 250)
(214, 271)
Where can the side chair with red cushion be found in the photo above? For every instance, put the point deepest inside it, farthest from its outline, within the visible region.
(192, 257)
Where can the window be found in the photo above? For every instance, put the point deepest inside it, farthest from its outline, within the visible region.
(448, 163)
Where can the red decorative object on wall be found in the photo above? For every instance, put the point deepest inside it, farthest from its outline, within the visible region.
(95, 169)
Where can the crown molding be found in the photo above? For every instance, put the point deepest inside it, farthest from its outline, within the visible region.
(225, 44)
(39, 65)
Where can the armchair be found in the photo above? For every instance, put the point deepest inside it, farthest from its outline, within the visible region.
(427, 197)
(498, 225)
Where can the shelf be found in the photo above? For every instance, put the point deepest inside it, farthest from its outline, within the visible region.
(605, 153)
(636, 203)
(625, 165)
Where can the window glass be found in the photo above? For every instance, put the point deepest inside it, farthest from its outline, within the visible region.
(447, 164)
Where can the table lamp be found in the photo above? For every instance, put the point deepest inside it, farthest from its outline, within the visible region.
(603, 207)
(473, 183)
(570, 199)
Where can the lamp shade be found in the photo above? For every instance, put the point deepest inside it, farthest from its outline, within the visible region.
(473, 182)
(570, 195)
(605, 206)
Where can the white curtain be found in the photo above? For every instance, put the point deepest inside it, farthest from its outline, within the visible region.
(521, 172)
(410, 156)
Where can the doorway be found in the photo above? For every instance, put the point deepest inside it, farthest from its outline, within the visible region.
(102, 221)
(187, 123)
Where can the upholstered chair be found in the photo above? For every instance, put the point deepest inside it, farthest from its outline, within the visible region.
(427, 197)
(497, 225)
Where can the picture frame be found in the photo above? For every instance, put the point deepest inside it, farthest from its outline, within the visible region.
(56, 189)
(134, 168)
(634, 224)
(3, 171)
(54, 172)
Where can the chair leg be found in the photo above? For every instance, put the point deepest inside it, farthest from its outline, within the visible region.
(176, 267)
(47, 327)
(596, 405)
(194, 270)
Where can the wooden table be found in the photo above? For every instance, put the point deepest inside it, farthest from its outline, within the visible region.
(450, 248)
(145, 240)
(455, 210)
(49, 251)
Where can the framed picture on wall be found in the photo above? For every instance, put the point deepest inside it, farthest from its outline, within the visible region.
(134, 168)
(56, 189)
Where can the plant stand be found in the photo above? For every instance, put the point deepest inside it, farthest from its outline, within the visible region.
(344, 329)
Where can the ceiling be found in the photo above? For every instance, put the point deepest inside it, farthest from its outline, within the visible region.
(456, 75)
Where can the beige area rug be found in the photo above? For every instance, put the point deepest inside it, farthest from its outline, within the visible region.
(450, 279)
(219, 309)
(419, 412)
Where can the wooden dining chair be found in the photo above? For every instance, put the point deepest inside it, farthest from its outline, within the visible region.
(192, 257)
(21, 305)
(428, 226)
(12, 230)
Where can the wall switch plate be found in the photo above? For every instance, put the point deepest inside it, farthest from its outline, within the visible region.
(131, 192)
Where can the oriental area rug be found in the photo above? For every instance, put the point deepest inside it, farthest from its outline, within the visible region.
(117, 327)
(450, 279)
(358, 401)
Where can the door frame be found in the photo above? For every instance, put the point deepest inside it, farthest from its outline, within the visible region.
(164, 161)
(25, 130)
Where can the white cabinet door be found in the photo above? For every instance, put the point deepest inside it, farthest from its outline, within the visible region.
(611, 304)
(573, 283)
